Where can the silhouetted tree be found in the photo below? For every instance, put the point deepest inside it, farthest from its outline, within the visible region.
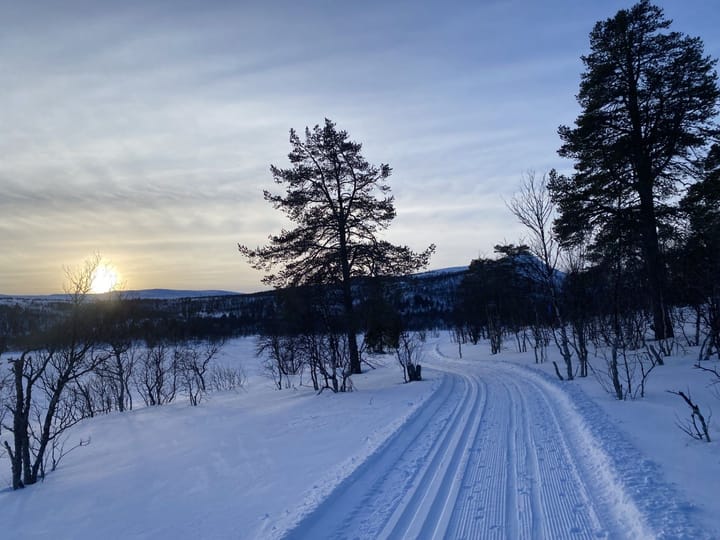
(339, 203)
(497, 295)
(649, 99)
(382, 320)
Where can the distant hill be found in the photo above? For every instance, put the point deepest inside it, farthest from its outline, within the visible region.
(443, 271)
(175, 294)
(166, 294)
(426, 300)
(143, 294)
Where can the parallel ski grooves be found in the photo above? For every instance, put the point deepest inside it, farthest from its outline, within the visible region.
(375, 488)
(427, 512)
(487, 457)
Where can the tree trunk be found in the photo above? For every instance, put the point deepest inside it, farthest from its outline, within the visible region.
(19, 426)
(654, 266)
(351, 329)
(121, 381)
(31, 473)
(646, 180)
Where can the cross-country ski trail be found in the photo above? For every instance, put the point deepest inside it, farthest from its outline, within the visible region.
(498, 452)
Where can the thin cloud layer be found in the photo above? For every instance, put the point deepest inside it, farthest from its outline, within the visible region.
(145, 131)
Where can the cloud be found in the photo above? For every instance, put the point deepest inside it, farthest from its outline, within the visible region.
(145, 130)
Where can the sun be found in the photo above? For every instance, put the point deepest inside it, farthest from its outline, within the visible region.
(105, 279)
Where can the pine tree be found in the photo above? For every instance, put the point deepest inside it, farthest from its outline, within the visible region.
(340, 204)
(649, 99)
(696, 261)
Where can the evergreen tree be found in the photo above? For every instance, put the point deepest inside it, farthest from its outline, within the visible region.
(339, 203)
(649, 99)
(695, 263)
(701, 206)
(500, 294)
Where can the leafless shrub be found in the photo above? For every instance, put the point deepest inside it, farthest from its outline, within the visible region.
(117, 374)
(682, 317)
(325, 355)
(224, 378)
(93, 395)
(192, 361)
(714, 373)
(710, 316)
(282, 358)
(635, 326)
(328, 358)
(696, 427)
(540, 342)
(711, 324)
(459, 336)
(59, 451)
(625, 373)
(156, 375)
(647, 362)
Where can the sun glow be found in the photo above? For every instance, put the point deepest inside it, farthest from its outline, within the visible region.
(105, 279)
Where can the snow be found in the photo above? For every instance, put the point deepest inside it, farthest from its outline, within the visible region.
(662, 450)
(237, 466)
(546, 458)
(672, 478)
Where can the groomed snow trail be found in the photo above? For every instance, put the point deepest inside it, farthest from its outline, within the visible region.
(494, 453)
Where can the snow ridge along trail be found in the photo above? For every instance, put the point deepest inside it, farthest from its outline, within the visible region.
(492, 454)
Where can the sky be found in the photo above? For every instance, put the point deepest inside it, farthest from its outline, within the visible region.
(144, 130)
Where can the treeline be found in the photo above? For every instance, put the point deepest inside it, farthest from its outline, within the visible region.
(602, 310)
(424, 301)
(188, 318)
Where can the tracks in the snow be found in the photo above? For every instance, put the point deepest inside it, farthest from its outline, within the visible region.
(426, 508)
(490, 455)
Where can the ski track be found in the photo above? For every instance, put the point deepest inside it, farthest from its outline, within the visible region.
(494, 454)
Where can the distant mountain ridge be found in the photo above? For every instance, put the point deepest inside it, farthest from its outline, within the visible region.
(425, 300)
(442, 272)
(142, 294)
(175, 294)
(160, 294)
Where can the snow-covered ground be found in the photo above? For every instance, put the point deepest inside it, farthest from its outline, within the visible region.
(485, 447)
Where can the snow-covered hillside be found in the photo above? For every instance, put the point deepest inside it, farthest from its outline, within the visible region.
(484, 447)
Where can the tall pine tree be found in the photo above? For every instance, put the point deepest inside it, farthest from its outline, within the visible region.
(649, 99)
(340, 204)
